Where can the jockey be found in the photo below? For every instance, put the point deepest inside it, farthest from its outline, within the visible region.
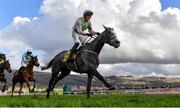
(2, 58)
(26, 58)
(78, 32)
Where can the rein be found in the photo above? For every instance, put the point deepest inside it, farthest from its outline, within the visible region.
(29, 67)
(94, 37)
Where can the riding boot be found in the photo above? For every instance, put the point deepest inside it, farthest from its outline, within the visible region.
(73, 51)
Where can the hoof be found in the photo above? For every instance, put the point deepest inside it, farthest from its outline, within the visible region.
(112, 88)
(47, 96)
(47, 90)
(31, 91)
(43, 67)
(3, 90)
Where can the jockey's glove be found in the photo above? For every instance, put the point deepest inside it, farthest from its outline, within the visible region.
(88, 34)
(97, 33)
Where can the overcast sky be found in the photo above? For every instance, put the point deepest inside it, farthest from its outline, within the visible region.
(149, 33)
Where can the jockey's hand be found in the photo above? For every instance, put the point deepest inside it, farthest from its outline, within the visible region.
(88, 34)
(97, 33)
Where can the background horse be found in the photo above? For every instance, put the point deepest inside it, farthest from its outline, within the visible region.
(23, 75)
(4, 66)
(87, 61)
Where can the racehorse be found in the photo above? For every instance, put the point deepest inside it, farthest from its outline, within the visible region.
(25, 74)
(4, 66)
(87, 61)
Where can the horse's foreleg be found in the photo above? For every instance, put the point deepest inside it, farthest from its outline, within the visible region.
(28, 85)
(101, 78)
(90, 77)
(4, 87)
(34, 85)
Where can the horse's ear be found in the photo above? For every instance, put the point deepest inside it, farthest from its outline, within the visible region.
(104, 27)
(36, 56)
(112, 29)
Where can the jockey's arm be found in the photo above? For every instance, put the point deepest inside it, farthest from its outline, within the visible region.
(79, 28)
(28, 58)
(24, 58)
(90, 30)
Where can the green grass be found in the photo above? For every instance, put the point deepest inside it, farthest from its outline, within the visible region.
(120, 100)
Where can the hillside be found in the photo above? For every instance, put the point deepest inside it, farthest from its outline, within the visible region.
(121, 82)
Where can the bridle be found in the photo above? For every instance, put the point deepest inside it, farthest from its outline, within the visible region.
(100, 40)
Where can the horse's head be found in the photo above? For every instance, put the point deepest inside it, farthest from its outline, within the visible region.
(109, 37)
(7, 66)
(34, 61)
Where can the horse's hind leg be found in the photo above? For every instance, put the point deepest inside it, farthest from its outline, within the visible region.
(55, 79)
(52, 80)
(20, 89)
(101, 78)
(64, 73)
(14, 81)
(90, 77)
(4, 87)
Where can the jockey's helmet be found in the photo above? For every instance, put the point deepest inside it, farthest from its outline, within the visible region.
(87, 12)
(29, 51)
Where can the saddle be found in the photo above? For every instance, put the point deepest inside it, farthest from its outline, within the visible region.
(20, 71)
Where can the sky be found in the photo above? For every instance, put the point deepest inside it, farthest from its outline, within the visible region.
(148, 30)
(12, 8)
(169, 3)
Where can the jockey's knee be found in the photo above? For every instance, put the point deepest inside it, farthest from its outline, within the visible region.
(74, 47)
(21, 68)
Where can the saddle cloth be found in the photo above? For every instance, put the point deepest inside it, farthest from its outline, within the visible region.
(71, 61)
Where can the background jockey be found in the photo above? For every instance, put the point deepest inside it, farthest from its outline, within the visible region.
(2, 58)
(26, 58)
(78, 32)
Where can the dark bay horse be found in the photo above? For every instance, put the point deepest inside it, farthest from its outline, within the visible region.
(4, 66)
(25, 74)
(87, 61)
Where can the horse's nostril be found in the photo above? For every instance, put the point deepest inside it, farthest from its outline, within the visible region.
(117, 42)
(10, 71)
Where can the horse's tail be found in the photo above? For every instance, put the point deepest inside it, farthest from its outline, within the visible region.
(47, 66)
